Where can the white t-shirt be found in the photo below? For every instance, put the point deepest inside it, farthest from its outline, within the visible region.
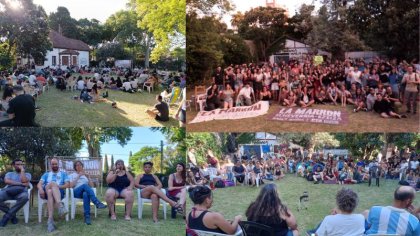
(80, 84)
(127, 85)
(246, 92)
(82, 180)
(342, 225)
(134, 83)
(32, 80)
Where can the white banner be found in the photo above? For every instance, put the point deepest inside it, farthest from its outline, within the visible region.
(258, 109)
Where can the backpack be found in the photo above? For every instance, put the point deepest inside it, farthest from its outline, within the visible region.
(220, 184)
(228, 183)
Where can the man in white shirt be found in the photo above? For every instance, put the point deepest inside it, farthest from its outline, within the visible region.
(412, 81)
(32, 79)
(127, 86)
(246, 94)
(80, 84)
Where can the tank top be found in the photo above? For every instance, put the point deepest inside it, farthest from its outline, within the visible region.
(280, 228)
(147, 179)
(120, 183)
(174, 192)
(198, 224)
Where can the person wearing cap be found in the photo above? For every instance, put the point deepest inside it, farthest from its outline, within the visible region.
(21, 109)
(160, 112)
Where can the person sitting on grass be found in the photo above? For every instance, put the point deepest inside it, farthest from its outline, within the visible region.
(329, 173)
(342, 221)
(51, 187)
(268, 210)
(160, 111)
(399, 218)
(21, 109)
(150, 186)
(200, 218)
(278, 175)
(345, 96)
(383, 107)
(127, 86)
(82, 185)
(333, 93)
(120, 185)
(318, 174)
(306, 99)
(246, 95)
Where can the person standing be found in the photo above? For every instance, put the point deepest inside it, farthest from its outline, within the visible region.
(412, 81)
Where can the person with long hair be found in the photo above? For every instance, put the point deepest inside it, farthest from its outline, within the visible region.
(268, 210)
(82, 185)
(200, 218)
(150, 186)
(176, 184)
(120, 185)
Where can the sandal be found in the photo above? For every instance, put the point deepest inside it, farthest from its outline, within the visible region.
(179, 209)
(128, 218)
(113, 217)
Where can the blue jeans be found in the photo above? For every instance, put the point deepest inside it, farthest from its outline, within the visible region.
(86, 192)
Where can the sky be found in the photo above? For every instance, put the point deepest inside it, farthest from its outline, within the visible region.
(97, 9)
(291, 5)
(141, 137)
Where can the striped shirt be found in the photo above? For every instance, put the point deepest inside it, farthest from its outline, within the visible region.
(60, 178)
(392, 220)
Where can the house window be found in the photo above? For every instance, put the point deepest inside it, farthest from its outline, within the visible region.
(54, 60)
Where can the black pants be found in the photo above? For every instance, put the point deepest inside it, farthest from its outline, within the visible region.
(240, 178)
(21, 199)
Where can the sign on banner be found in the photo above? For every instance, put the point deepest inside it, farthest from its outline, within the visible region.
(92, 166)
(318, 60)
(258, 109)
(311, 115)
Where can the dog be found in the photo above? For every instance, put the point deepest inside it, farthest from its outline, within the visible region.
(303, 199)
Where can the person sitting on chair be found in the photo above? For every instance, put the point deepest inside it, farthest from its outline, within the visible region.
(200, 218)
(239, 171)
(16, 189)
(268, 210)
(150, 186)
(82, 185)
(120, 185)
(398, 218)
(176, 185)
(51, 187)
(160, 112)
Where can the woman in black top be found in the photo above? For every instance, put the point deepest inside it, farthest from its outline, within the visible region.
(150, 186)
(200, 218)
(120, 183)
(213, 101)
(268, 209)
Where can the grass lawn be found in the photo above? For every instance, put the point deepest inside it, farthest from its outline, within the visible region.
(59, 109)
(358, 122)
(234, 201)
(101, 225)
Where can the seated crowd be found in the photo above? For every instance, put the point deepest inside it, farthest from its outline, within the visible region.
(121, 184)
(382, 86)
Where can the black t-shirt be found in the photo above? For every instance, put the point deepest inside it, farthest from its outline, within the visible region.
(382, 106)
(23, 106)
(218, 77)
(239, 169)
(163, 109)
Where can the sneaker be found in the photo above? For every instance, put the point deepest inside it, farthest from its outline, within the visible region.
(14, 220)
(354, 110)
(50, 226)
(4, 221)
(100, 205)
(62, 211)
(87, 220)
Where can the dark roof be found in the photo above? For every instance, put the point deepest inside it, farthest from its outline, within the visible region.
(59, 41)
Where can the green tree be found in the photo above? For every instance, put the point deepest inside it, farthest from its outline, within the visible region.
(362, 145)
(209, 6)
(112, 161)
(25, 28)
(301, 23)
(234, 49)
(143, 155)
(91, 31)
(165, 20)
(106, 166)
(113, 51)
(266, 27)
(61, 20)
(6, 58)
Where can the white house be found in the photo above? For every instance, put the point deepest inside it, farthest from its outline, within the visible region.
(66, 51)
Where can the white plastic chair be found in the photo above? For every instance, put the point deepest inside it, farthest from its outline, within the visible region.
(206, 233)
(200, 100)
(41, 202)
(25, 207)
(141, 201)
(149, 86)
(74, 202)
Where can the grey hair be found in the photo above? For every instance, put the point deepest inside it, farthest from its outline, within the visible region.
(347, 200)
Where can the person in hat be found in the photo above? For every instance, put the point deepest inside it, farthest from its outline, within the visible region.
(21, 109)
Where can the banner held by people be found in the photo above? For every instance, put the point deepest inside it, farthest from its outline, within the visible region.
(311, 115)
(258, 109)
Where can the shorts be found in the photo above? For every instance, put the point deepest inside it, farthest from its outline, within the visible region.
(119, 191)
(61, 193)
(183, 116)
(158, 118)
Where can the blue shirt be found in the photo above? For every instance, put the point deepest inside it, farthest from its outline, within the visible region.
(392, 220)
(14, 176)
(60, 178)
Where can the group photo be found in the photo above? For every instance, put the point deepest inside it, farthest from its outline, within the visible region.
(283, 70)
(58, 62)
(55, 183)
(303, 184)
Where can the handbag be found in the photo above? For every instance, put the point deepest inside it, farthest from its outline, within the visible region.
(14, 190)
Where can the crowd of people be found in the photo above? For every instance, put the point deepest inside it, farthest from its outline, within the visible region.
(316, 167)
(383, 86)
(121, 184)
(93, 84)
(268, 209)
